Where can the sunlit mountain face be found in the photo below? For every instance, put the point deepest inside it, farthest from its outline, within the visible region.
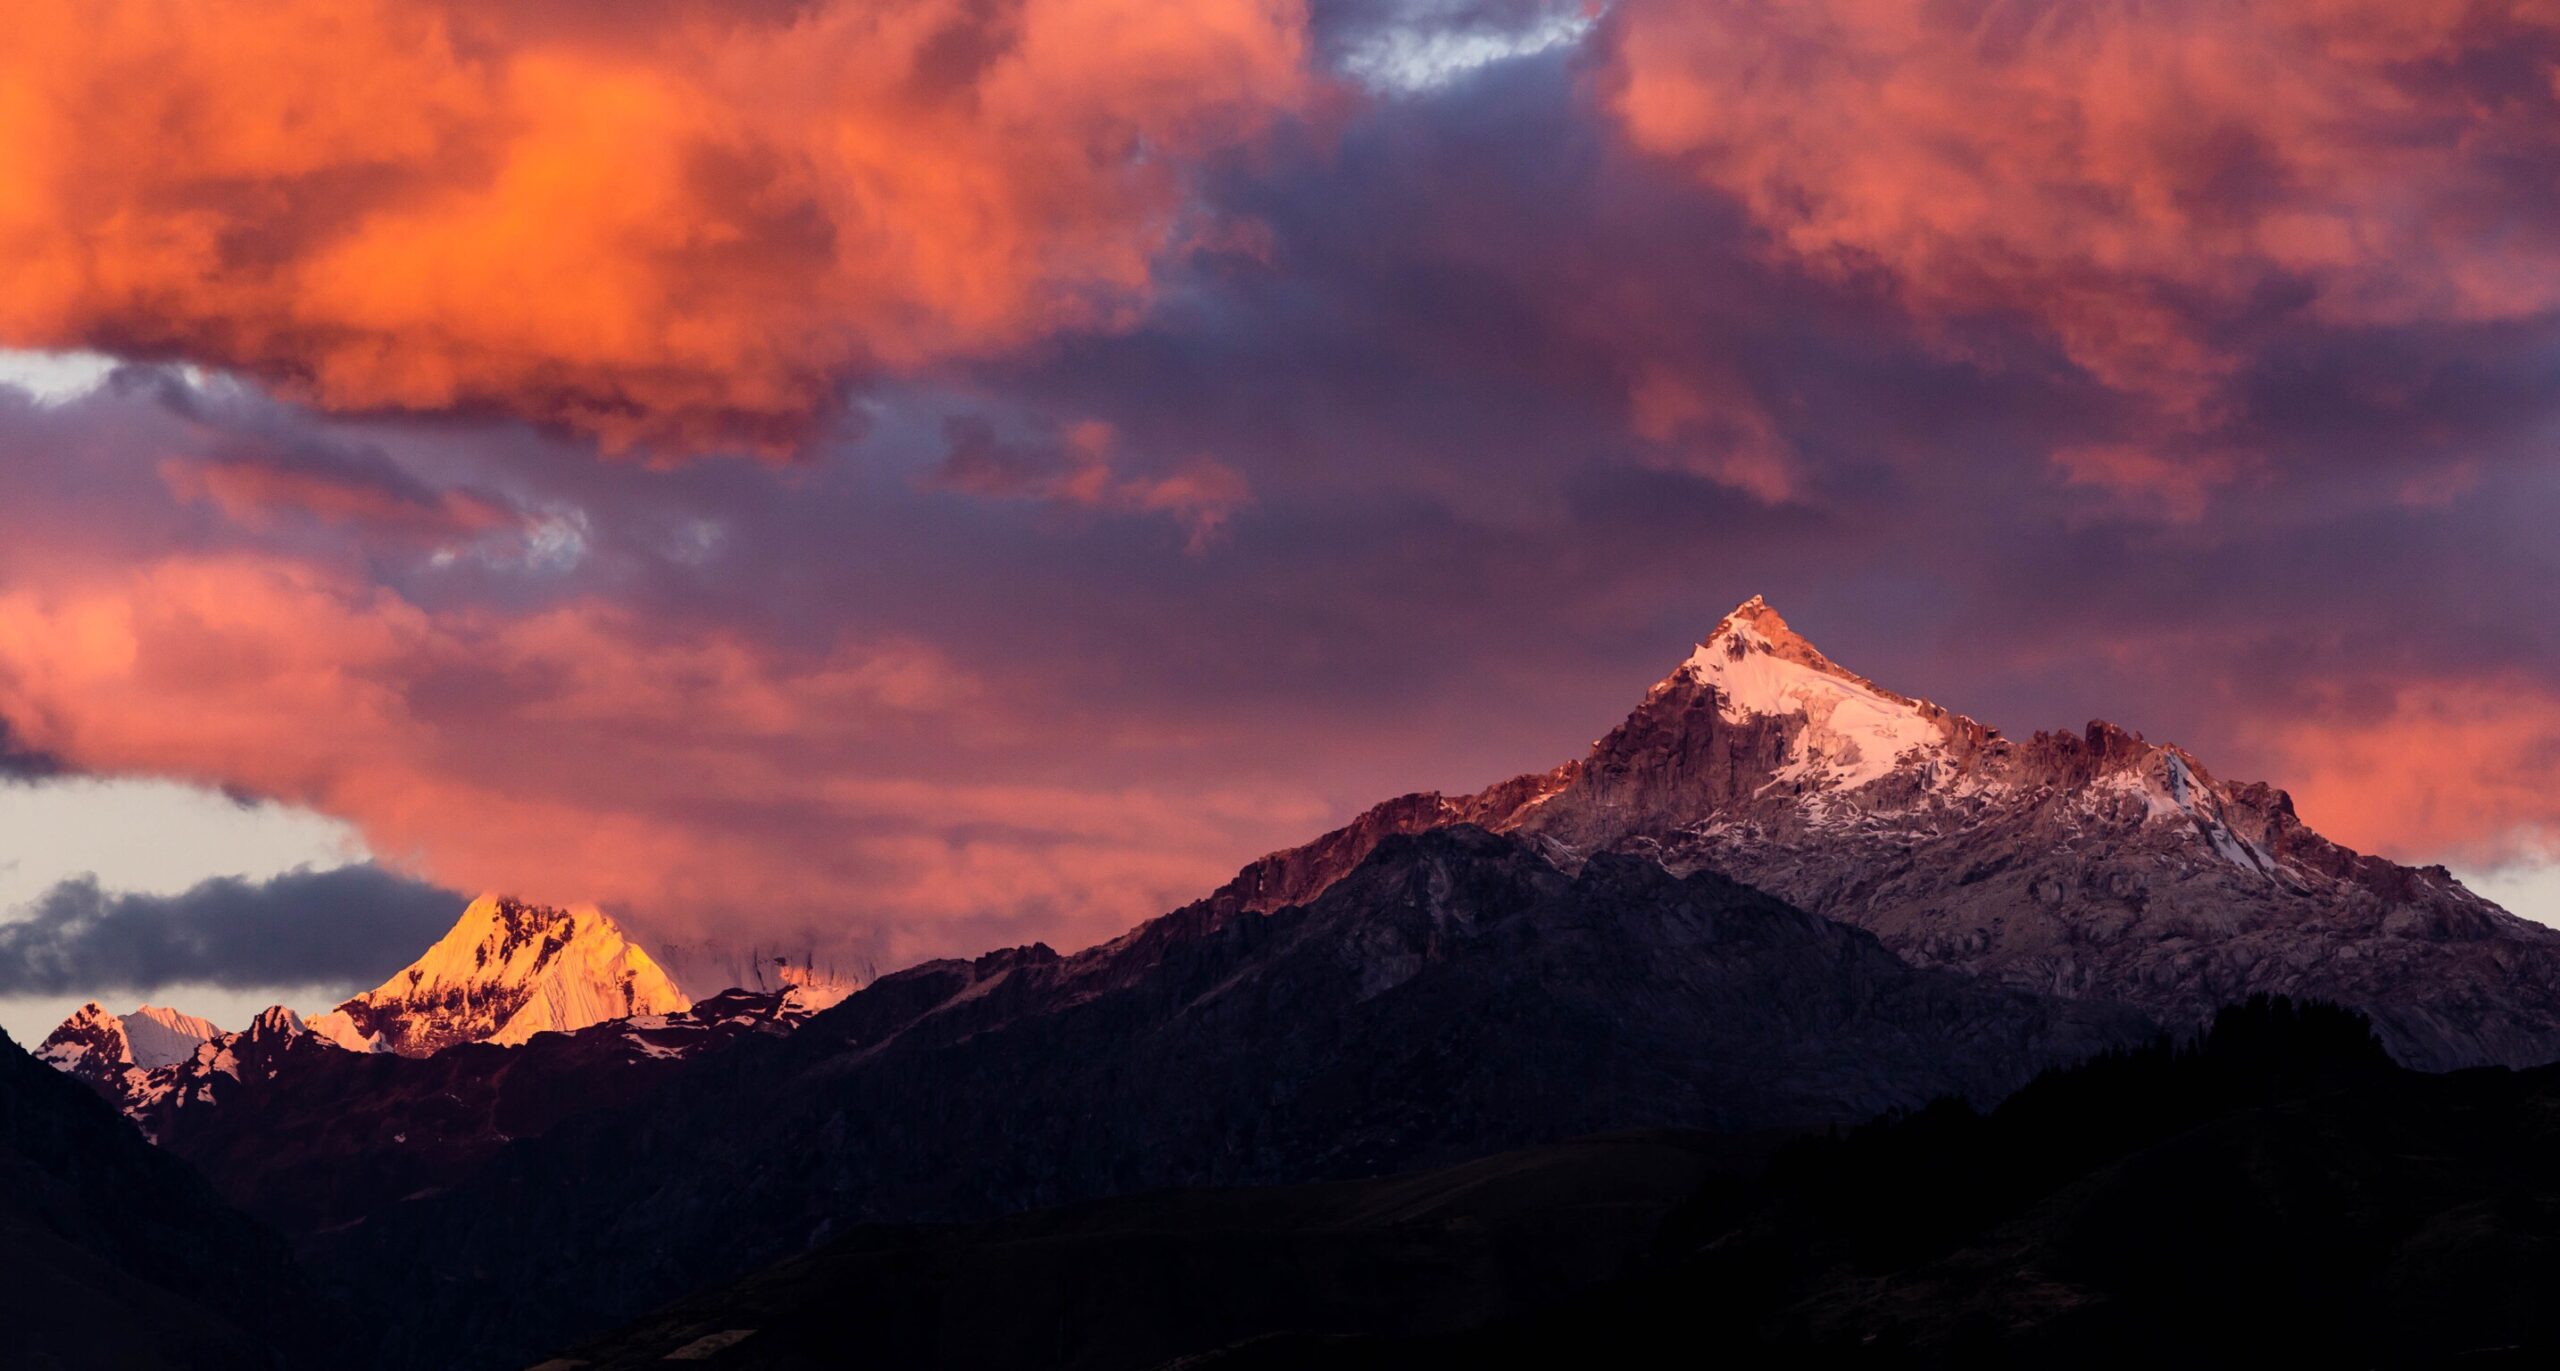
(1011, 602)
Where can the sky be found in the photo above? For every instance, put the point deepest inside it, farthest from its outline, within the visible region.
(913, 476)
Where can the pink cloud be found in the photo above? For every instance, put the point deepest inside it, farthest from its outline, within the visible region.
(2174, 485)
(580, 752)
(1709, 424)
(2131, 176)
(2449, 769)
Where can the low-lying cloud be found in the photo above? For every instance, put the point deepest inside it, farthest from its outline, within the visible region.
(348, 925)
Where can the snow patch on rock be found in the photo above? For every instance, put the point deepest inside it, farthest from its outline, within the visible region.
(159, 1035)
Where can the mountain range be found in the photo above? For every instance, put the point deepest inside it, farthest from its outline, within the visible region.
(505, 972)
(2093, 864)
(106, 1049)
(1778, 897)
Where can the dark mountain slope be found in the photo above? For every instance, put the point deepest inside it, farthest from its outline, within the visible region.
(2281, 1195)
(114, 1254)
(1454, 995)
(307, 1136)
(1141, 1280)
(2278, 1193)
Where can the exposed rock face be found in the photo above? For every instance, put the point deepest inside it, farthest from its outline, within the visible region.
(90, 1045)
(2094, 864)
(1455, 994)
(507, 971)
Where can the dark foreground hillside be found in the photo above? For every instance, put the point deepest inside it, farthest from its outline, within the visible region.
(2279, 1194)
(2276, 1194)
(115, 1254)
(1147, 1279)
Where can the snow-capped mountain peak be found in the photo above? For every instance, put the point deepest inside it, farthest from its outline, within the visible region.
(506, 971)
(90, 1041)
(100, 1047)
(1854, 731)
(2084, 862)
(160, 1035)
(1755, 628)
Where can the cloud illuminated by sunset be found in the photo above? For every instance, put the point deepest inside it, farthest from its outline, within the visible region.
(674, 225)
(2133, 176)
(1207, 419)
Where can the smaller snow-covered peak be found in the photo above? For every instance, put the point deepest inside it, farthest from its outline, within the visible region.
(98, 1042)
(159, 1035)
(809, 989)
(704, 968)
(91, 1042)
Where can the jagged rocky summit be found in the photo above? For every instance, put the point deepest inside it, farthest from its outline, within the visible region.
(2092, 864)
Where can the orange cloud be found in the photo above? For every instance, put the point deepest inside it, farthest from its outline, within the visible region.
(581, 753)
(2459, 770)
(673, 224)
(2129, 175)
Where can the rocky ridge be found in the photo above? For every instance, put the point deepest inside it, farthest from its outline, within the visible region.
(2091, 864)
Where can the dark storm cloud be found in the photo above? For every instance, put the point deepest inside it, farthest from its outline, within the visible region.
(18, 763)
(351, 924)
